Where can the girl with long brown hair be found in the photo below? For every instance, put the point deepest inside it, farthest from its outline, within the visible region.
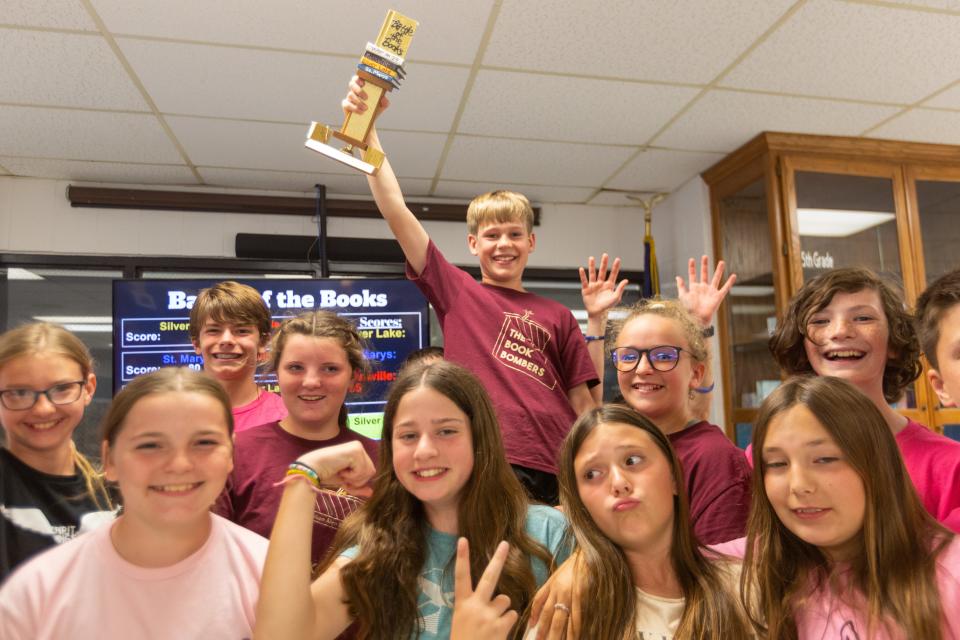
(622, 488)
(443, 474)
(49, 492)
(839, 545)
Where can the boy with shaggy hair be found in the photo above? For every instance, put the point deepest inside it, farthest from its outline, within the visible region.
(230, 326)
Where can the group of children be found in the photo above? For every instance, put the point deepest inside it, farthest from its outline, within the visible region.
(838, 523)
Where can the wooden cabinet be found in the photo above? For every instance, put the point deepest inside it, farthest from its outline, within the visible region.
(786, 207)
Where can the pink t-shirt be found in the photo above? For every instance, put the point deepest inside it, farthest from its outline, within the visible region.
(829, 615)
(528, 352)
(84, 589)
(268, 407)
(933, 463)
(826, 616)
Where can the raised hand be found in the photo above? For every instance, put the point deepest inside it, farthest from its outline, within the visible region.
(555, 610)
(354, 101)
(600, 290)
(702, 298)
(478, 614)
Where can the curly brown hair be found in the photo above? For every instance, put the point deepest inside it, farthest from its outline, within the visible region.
(786, 343)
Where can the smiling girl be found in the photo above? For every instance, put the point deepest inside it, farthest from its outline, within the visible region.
(317, 356)
(851, 324)
(49, 492)
(839, 546)
(659, 357)
(443, 475)
(167, 567)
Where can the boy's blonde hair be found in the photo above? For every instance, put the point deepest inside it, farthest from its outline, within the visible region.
(230, 303)
(498, 207)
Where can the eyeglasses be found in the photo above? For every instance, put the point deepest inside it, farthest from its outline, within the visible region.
(662, 358)
(21, 399)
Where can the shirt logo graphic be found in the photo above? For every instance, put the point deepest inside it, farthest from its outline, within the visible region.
(520, 346)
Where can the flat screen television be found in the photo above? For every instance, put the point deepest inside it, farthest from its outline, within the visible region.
(151, 321)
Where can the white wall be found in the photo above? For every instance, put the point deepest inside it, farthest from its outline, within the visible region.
(35, 217)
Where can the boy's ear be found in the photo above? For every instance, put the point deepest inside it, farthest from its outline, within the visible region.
(533, 241)
(472, 243)
(936, 381)
(196, 346)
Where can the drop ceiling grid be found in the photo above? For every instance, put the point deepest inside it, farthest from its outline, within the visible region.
(100, 171)
(831, 49)
(227, 79)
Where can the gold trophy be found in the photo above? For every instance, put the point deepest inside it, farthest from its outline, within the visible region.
(381, 68)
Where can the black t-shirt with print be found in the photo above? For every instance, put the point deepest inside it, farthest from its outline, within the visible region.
(39, 510)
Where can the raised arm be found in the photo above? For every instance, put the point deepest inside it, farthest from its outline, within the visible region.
(601, 292)
(702, 299)
(386, 191)
(289, 606)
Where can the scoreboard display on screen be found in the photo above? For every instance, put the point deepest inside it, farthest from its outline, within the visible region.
(151, 320)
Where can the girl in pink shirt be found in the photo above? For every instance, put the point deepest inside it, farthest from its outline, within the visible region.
(839, 545)
(167, 567)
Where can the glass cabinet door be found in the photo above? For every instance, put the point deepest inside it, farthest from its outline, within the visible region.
(938, 209)
(751, 304)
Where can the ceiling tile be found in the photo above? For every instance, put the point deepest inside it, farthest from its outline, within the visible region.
(230, 82)
(449, 31)
(608, 198)
(944, 5)
(949, 99)
(99, 171)
(259, 145)
(662, 170)
(54, 14)
(856, 51)
(86, 135)
(499, 160)
(922, 125)
(572, 109)
(64, 69)
(723, 120)
(536, 193)
(651, 40)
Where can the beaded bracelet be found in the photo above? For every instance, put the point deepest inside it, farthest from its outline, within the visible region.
(299, 468)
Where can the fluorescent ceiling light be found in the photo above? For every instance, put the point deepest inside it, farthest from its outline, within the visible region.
(16, 273)
(75, 319)
(838, 223)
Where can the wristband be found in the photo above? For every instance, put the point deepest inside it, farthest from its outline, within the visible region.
(593, 338)
(705, 389)
(708, 332)
(299, 468)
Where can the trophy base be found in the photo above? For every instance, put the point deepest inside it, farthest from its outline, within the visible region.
(317, 138)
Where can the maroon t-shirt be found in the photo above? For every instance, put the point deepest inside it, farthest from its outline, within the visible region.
(262, 456)
(718, 482)
(528, 351)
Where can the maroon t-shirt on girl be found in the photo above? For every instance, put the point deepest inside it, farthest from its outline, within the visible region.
(261, 458)
(718, 482)
(528, 351)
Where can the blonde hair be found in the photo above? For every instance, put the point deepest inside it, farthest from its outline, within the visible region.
(499, 207)
(44, 337)
(673, 310)
(230, 302)
(322, 324)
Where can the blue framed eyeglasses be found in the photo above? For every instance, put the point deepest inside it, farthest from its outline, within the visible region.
(662, 358)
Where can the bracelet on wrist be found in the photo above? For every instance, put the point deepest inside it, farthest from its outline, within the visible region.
(299, 468)
(593, 338)
(709, 331)
(706, 389)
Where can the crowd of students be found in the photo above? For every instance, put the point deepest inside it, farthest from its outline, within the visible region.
(837, 523)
